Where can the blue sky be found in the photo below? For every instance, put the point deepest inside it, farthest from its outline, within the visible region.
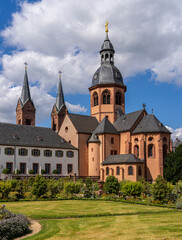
(53, 35)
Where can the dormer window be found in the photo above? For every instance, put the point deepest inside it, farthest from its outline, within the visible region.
(39, 138)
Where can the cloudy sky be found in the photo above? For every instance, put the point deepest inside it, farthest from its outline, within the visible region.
(66, 35)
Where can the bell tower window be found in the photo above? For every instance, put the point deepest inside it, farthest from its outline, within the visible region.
(118, 98)
(28, 121)
(95, 98)
(106, 97)
(107, 57)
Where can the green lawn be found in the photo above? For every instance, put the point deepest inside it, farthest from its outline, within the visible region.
(69, 220)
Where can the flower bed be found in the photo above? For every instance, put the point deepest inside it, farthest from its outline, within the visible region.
(12, 225)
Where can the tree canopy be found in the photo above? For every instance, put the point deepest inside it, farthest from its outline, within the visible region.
(173, 165)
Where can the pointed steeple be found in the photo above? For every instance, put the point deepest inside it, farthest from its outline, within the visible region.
(25, 110)
(25, 95)
(60, 96)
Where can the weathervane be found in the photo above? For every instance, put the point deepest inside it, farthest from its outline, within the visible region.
(144, 105)
(25, 65)
(152, 110)
(106, 27)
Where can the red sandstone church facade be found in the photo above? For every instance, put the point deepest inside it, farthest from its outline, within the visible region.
(109, 142)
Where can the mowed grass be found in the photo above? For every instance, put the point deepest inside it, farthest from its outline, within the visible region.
(69, 219)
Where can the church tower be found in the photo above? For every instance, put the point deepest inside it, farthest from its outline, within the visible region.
(107, 92)
(59, 109)
(25, 110)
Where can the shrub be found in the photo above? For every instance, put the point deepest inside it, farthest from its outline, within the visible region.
(31, 181)
(72, 187)
(17, 171)
(31, 171)
(111, 185)
(180, 186)
(6, 171)
(39, 186)
(179, 204)
(43, 171)
(54, 187)
(12, 225)
(13, 196)
(5, 188)
(161, 189)
(146, 186)
(132, 189)
(29, 196)
(19, 189)
(55, 171)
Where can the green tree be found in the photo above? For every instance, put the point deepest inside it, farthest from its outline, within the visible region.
(161, 189)
(111, 185)
(173, 165)
(39, 186)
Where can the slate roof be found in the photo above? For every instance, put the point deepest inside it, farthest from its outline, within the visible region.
(60, 97)
(94, 139)
(23, 135)
(105, 126)
(176, 143)
(83, 123)
(150, 123)
(125, 122)
(122, 158)
(25, 94)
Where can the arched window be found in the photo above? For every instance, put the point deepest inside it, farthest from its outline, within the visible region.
(118, 171)
(107, 57)
(107, 171)
(111, 58)
(118, 98)
(130, 170)
(106, 97)
(95, 97)
(164, 153)
(136, 150)
(151, 150)
(112, 140)
(165, 139)
(139, 171)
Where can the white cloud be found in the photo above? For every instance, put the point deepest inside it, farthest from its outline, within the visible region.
(75, 108)
(67, 35)
(176, 133)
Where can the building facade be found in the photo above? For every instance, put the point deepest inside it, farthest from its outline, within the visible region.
(111, 142)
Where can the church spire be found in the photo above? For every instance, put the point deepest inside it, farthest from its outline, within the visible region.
(25, 95)
(25, 110)
(60, 96)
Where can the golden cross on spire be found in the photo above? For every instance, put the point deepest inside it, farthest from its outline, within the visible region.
(59, 73)
(106, 27)
(25, 65)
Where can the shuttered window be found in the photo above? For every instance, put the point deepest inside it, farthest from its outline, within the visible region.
(70, 154)
(9, 151)
(23, 152)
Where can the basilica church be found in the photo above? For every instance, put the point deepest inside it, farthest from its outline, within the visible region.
(109, 141)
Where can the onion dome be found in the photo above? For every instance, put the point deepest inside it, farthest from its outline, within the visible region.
(107, 73)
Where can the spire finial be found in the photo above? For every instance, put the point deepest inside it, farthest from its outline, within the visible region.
(25, 65)
(59, 74)
(106, 27)
(152, 110)
(144, 105)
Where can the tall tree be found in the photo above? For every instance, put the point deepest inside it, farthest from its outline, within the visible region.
(173, 165)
